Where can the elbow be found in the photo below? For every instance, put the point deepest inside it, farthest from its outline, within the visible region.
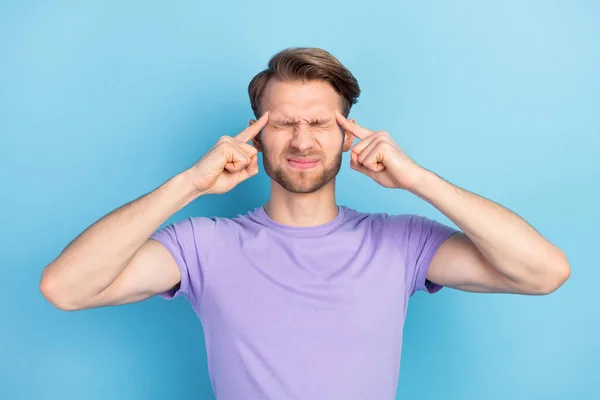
(49, 289)
(556, 276)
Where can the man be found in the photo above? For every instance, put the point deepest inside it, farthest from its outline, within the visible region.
(302, 298)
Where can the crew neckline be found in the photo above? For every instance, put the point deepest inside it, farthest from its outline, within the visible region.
(302, 230)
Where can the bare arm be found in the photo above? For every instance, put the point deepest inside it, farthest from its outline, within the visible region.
(82, 276)
(498, 251)
(114, 261)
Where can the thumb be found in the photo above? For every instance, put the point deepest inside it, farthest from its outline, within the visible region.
(249, 171)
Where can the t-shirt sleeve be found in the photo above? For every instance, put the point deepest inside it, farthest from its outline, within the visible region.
(189, 242)
(419, 238)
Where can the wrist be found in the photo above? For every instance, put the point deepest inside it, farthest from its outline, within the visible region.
(184, 186)
(422, 183)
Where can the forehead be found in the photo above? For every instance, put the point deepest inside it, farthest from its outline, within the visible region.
(300, 100)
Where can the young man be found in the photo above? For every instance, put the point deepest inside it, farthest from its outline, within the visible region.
(302, 298)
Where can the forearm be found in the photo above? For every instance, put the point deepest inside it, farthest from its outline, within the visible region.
(93, 260)
(510, 244)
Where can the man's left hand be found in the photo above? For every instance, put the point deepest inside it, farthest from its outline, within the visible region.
(378, 156)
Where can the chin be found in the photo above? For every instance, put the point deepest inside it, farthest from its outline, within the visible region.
(303, 188)
(301, 181)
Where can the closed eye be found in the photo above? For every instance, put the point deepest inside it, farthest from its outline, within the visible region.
(320, 122)
(290, 124)
(282, 124)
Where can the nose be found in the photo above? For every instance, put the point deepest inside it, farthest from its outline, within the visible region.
(303, 138)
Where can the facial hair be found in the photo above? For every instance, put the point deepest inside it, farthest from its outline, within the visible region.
(301, 181)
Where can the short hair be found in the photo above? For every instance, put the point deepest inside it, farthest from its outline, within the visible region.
(305, 64)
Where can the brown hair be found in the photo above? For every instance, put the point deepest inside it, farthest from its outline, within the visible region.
(306, 64)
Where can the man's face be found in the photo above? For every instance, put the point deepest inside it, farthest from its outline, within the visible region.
(302, 143)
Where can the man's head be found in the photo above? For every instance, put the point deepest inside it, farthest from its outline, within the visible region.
(302, 143)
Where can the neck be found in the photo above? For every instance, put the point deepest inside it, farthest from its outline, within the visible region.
(302, 209)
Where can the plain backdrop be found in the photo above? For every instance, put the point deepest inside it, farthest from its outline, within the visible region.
(101, 102)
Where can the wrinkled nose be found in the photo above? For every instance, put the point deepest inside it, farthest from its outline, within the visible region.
(303, 138)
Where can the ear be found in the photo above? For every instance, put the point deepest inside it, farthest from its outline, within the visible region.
(256, 139)
(348, 138)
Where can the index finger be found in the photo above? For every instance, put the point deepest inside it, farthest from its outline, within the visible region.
(251, 131)
(353, 128)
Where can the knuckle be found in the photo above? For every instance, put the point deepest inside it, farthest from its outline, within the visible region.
(382, 145)
(385, 138)
(249, 150)
(244, 145)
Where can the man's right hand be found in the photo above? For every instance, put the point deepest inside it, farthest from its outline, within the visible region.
(229, 162)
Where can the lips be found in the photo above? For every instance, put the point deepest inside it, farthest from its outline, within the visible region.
(303, 162)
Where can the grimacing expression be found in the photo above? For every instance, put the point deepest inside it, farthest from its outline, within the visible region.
(302, 143)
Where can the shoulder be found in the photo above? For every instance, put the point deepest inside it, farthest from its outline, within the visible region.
(400, 225)
(228, 225)
(380, 219)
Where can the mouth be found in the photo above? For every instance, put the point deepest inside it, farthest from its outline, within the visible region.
(302, 162)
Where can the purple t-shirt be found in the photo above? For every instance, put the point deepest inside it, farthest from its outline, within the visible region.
(303, 312)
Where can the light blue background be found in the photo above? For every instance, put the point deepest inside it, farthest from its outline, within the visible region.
(101, 102)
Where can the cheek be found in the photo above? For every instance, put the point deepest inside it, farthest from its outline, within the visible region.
(273, 144)
(330, 140)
